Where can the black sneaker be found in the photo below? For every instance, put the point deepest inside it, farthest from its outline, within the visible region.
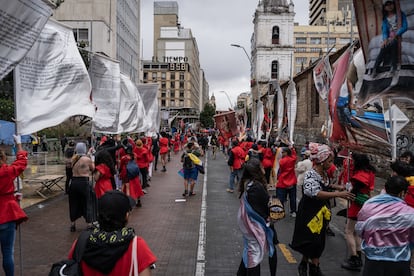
(303, 269)
(353, 263)
(315, 270)
(185, 193)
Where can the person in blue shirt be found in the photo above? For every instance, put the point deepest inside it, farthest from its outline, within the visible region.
(393, 28)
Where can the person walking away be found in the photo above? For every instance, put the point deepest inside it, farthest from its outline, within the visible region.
(235, 162)
(386, 226)
(254, 152)
(82, 168)
(164, 149)
(286, 180)
(155, 150)
(131, 186)
(302, 167)
(104, 172)
(190, 170)
(63, 143)
(259, 234)
(214, 144)
(313, 214)
(143, 160)
(69, 152)
(109, 248)
(269, 154)
(362, 181)
(11, 214)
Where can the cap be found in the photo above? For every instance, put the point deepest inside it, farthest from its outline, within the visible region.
(115, 204)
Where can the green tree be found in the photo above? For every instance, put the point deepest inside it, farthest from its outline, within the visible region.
(206, 116)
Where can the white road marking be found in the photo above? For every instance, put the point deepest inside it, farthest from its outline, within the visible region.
(201, 250)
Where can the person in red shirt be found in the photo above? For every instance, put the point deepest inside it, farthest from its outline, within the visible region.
(108, 249)
(104, 172)
(164, 149)
(11, 214)
(131, 187)
(269, 155)
(143, 160)
(236, 161)
(286, 180)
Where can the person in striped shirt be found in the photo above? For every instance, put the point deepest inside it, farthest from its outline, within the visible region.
(386, 226)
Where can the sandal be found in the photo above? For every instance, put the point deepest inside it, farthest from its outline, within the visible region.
(191, 194)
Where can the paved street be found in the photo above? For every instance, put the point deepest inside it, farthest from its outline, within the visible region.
(198, 236)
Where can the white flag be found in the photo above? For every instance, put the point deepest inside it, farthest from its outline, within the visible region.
(322, 77)
(131, 110)
(106, 93)
(149, 95)
(291, 102)
(21, 22)
(52, 82)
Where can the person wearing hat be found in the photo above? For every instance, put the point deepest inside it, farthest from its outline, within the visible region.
(109, 248)
(386, 226)
(82, 168)
(313, 213)
(394, 25)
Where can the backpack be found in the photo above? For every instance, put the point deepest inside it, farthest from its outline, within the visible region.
(188, 163)
(72, 267)
(132, 169)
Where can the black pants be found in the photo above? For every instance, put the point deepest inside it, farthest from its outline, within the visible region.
(388, 55)
(144, 174)
(155, 162)
(385, 268)
(69, 174)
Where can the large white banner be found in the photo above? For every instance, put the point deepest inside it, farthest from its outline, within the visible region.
(21, 22)
(105, 76)
(131, 110)
(52, 82)
(149, 95)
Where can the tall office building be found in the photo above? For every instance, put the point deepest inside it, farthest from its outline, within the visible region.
(338, 12)
(111, 27)
(175, 65)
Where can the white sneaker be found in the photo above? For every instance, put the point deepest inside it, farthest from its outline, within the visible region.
(293, 215)
(144, 191)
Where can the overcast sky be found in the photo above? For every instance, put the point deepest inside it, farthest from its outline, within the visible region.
(216, 24)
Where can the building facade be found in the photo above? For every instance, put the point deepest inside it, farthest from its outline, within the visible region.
(183, 88)
(338, 12)
(111, 27)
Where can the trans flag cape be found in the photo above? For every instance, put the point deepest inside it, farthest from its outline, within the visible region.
(257, 236)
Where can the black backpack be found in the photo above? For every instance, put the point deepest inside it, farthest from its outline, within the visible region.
(72, 267)
(188, 163)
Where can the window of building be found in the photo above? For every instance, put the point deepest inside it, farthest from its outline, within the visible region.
(163, 85)
(275, 68)
(163, 94)
(343, 41)
(154, 75)
(145, 75)
(182, 85)
(172, 94)
(301, 40)
(315, 40)
(300, 50)
(300, 60)
(181, 93)
(331, 40)
(172, 103)
(313, 59)
(163, 75)
(172, 84)
(181, 103)
(162, 103)
(182, 76)
(315, 50)
(81, 35)
(275, 35)
(172, 75)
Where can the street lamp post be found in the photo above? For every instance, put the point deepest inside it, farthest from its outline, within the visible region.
(228, 98)
(247, 55)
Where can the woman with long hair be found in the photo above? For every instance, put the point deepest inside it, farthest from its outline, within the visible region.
(104, 172)
(254, 214)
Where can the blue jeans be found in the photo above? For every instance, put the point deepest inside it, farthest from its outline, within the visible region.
(282, 193)
(233, 175)
(7, 236)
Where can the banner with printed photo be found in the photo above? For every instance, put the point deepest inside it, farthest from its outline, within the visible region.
(226, 124)
(149, 96)
(131, 108)
(322, 77)
(51, 81)
(105, 76)
(21, 22)
(386, 31)
(292, 103)
(362, 128)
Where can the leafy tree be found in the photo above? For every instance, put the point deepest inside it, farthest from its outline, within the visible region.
(206, 116)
